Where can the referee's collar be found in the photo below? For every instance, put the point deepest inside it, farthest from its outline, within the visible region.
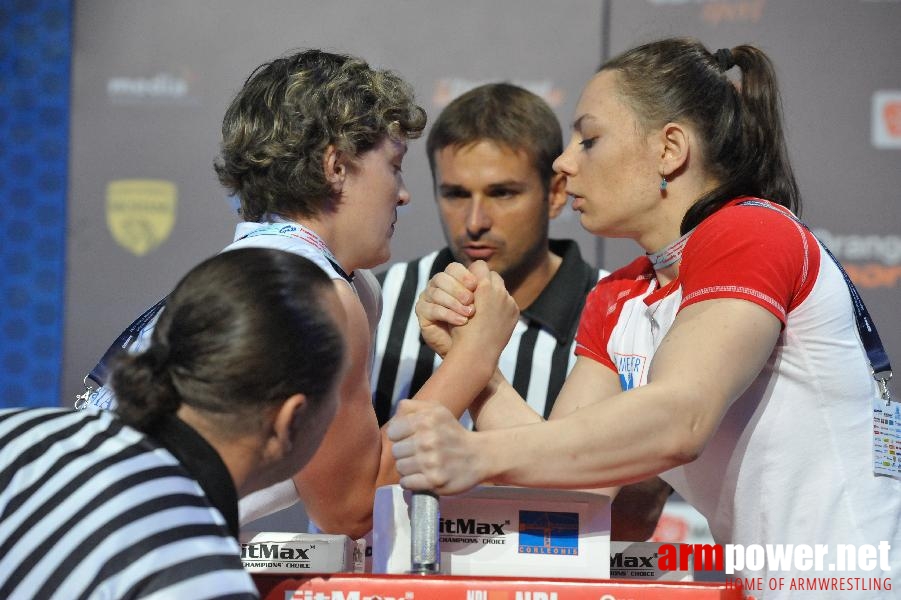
(554, 308)
(202, 463)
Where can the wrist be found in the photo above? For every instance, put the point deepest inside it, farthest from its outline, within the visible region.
(480, 366)
(490, 458)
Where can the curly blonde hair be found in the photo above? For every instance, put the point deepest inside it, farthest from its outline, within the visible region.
(277, 128)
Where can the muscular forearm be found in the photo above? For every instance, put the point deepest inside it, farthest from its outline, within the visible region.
(460, 377)
(599, 445)
(454, 384)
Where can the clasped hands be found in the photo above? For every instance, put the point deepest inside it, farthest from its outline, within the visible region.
(467, 313)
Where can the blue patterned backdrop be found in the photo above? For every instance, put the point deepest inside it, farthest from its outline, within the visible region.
(35, 52)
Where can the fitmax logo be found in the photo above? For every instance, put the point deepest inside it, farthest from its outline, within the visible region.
(470, 527)
(272, 551)
(619, 560)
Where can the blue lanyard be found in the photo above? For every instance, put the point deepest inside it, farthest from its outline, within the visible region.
(876, 354)
(100, 372)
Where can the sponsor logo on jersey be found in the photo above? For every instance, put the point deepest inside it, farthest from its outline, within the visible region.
(631, 369)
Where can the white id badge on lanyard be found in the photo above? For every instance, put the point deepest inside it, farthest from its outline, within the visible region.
(886, 437)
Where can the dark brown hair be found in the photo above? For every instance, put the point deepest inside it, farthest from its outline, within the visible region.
(739, 123)
(506, 114)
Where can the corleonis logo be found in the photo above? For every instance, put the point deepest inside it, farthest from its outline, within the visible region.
(140, 213)
(543, 532)
(886, 119)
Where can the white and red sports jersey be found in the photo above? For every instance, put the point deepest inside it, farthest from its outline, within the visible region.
(791, 461)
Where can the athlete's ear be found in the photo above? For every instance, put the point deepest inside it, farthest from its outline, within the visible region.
(675, 149)
(334, 165)
(556, 195)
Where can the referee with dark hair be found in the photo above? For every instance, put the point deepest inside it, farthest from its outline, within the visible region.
(491, 153)
(234, 393)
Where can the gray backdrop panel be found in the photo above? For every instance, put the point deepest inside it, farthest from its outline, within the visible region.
(151, 81)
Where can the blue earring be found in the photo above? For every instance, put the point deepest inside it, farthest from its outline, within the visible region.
(663, 183)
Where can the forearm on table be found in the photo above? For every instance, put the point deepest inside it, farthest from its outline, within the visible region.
(599, 445)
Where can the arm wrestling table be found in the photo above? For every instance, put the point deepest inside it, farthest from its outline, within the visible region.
(345, 586)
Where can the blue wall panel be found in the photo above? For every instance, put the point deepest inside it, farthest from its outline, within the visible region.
(35, 52)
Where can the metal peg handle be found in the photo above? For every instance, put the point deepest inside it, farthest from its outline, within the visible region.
(425, 556)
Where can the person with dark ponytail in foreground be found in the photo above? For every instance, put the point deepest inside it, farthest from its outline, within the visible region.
(729, 358)
(234, 393)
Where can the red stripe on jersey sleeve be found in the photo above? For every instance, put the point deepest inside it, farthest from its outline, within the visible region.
(751, 253)
(603, 307)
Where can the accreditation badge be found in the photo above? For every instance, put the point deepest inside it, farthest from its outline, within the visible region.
(887, 437)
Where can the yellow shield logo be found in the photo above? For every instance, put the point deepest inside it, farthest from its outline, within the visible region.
(140, 213)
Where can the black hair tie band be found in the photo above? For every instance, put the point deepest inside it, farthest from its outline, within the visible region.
(724, 59)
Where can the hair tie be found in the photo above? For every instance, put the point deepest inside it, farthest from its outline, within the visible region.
(724, 59)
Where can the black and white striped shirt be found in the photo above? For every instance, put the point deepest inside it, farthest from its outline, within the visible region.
(91, 508)
(535, 361)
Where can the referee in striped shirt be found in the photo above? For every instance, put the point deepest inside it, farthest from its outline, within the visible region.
(491, 153)
(234, 393)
